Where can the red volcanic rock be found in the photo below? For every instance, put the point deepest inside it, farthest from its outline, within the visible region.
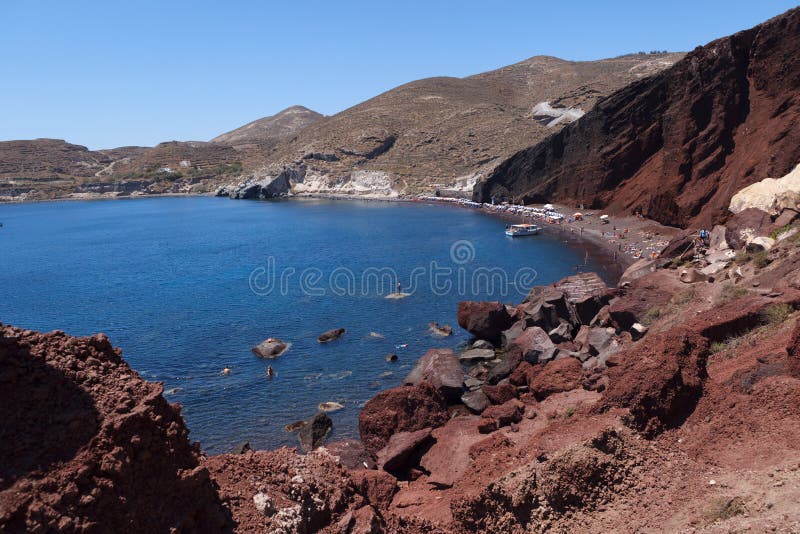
(506, 413)
(652, 290)
(401, 409)
(484, 320)
(378, 487)
(282, 491)
(565, 374)
(746, 224)
(83, 434)
(441, 369)
(351, 454)
(402, 447)
(500, 393)
(523, 374)
(660, 379)
(488, 425)
(739, 315)
(679, 144)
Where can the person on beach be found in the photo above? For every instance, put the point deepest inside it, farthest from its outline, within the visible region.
(398, 287)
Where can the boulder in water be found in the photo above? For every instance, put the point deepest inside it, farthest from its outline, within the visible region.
(270, 348)
(331, 335)
(329, 406)
(441, 330)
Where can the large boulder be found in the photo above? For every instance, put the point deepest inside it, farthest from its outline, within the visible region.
(506, 413)
(786, 217)
(535, 345)
(660, 379)
(680, 246)
(586, 293)
(484, 320)
(765, 195)
(637, 269)
(560, 375)
(401, 409)
(396, 457)
(499, 393)
(476, 401)
(441, 369)
(745, 225)
(508, 362)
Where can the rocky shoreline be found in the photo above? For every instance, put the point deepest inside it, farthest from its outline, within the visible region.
(671, 401)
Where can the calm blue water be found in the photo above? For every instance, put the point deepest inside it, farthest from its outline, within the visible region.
(169, 281)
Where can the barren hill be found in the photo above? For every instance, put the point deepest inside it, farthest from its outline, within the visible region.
(265, 132)
(679, 144)
(434, 130)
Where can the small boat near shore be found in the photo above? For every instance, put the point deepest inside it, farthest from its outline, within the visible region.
(519, 230)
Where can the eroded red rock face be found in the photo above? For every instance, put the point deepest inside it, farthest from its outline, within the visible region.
(660, 379)
(87, 445)
(401, 409)
(678, 144)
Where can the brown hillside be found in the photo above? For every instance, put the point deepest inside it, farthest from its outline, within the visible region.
(436, 129)
(678, 144)
(265, 132)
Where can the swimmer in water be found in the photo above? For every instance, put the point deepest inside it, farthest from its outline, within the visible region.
(270, 372)
(226, 371)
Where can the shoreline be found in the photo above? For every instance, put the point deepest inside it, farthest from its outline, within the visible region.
(608, 252)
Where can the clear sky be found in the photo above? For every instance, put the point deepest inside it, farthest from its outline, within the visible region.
(111, 73)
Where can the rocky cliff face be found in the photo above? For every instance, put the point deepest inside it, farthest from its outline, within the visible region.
(678, 144)
(86, 445)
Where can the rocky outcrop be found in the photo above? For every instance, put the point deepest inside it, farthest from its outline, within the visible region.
(401, 409)
(82, 433)
(270, 182)
(677, 145)
(659, 380)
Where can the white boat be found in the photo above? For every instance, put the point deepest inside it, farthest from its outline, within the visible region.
(519, 230)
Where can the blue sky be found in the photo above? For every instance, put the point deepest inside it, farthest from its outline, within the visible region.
(107, 73)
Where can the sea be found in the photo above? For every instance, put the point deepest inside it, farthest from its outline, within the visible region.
(186, 286)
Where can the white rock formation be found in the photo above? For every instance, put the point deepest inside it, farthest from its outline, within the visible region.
(550, 116)
(363, 183)
(770, 194)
